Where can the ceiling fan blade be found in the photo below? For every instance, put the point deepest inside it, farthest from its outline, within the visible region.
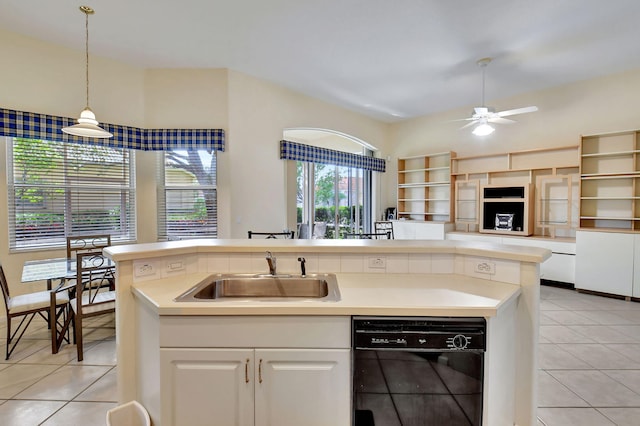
(463, 119)
(500, 120)
(517, 111)
(469, 124)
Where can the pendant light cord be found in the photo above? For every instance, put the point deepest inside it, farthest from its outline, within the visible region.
(86, 53)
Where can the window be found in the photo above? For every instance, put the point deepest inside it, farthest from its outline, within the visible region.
(56, 189)
(187, 195)
(336, 199)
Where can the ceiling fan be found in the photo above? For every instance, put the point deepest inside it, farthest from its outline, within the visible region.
(483, 115)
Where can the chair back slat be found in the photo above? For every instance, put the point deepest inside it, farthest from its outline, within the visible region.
(92, 274)
(86, 243)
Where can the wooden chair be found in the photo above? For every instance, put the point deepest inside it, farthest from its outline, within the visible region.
(27, 306)
(273, 235)
(371, 236)
(384, 227)
(88, 243)
(92, 297)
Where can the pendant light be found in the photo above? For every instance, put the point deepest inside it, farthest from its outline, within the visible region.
(87, 124)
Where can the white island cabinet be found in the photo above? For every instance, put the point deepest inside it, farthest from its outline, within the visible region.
(288, 362)
(249, 371)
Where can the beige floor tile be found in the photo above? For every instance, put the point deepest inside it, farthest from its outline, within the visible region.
(105, 389)
(546, 319)
(568, 318)
(563, 334)
(81, 414)
(65, 383)
(572, 417)
(552, 393)
(17, 377)
(23, 413)
(629, 378)
(605, 317)
(632, 331)
(553, 357)
(101, 353)
(547, 305)
(601, 357)
(24, 349)
(631, 351)
(44, 356)
(622, 416)
(598, 389)
(576, 304)
(603, 334)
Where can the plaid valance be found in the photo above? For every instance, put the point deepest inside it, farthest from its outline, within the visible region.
(49, 127)
(300, 152)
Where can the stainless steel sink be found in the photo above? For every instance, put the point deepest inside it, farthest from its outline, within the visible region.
(319, 287)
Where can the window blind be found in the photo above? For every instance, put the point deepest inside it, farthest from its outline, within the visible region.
(58, 189)
(187, 195)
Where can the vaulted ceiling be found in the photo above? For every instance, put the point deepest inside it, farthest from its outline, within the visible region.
(390, 60)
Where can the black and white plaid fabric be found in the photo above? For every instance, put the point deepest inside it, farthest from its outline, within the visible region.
(31, 125)
(300, 152)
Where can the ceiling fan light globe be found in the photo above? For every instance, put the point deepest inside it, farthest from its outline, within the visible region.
(483, 130)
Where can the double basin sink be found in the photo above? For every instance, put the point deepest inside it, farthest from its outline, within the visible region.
(234, 287)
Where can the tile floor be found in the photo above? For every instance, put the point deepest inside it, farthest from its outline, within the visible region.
(589, 359)
(38, 388)
(589, 368)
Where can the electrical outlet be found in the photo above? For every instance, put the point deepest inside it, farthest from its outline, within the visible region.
(377, 262)
(144, 269)
(176, 265)
(483, 267)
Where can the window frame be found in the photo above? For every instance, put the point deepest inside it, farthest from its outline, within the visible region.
(72, 187)
(208, 230)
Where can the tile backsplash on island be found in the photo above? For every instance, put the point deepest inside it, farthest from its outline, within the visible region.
(507, 271)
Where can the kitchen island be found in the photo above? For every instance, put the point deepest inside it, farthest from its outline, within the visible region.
(159, 341)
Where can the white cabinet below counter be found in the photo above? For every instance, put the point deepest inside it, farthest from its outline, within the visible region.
(608, 262)
(255, 386)
(245, 370)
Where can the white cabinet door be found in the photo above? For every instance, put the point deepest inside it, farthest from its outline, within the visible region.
(206, 386)
(636, 266)
(604, 262)
(309, 387)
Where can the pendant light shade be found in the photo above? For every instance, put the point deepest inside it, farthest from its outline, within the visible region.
(87, 124)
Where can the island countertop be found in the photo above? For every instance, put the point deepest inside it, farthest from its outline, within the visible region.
(361, 294)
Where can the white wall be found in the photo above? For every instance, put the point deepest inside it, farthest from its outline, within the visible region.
(605, 104)
(40, 77)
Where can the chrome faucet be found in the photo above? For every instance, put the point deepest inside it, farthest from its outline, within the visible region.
(303, 269)
(271, 260)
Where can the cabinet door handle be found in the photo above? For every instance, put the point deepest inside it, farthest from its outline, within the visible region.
(246, 371)
(260, 371)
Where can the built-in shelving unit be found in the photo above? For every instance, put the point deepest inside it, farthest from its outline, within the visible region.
(610, 181)
(553, 173)
(506, 210)
(554, 203)
(424, 187)
(466, 208)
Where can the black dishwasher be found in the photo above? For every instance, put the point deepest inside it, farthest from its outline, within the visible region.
(418, 371)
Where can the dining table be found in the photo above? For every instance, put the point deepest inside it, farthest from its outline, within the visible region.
(57, 270)
(53, 270)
